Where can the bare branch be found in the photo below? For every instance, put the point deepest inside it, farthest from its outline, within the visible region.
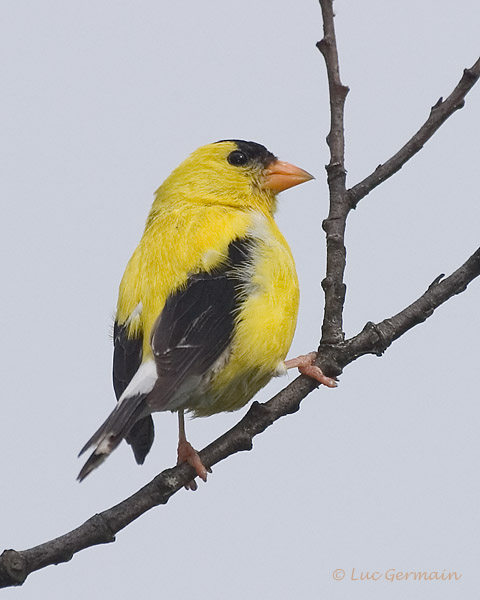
(334, 225)
(376, 338)
(438, 115)
(101, 528)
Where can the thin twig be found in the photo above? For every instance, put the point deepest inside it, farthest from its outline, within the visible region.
(377, 337)
(102, 528)
(334, 224)
(438, 115)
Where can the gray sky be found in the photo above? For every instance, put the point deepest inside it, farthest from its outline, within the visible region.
(100, 100)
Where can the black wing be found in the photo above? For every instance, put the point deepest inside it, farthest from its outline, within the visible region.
(127, 357)
(197, 323)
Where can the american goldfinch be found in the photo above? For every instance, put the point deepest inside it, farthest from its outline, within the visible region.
(208, 303)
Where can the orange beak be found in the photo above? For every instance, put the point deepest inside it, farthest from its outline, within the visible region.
(280, 175)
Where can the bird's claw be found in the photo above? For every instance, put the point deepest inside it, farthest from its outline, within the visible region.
(187, 453)
(304, 364)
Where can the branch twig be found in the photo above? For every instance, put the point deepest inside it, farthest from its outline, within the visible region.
(101, 528)
(334, 224)
(376, 338)
(438, 115)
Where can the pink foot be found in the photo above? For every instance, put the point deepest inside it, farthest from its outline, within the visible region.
(305, 366)
(187, 453)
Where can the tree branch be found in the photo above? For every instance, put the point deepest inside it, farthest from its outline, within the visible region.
(102, 528)
(439, 113)
(334, 224)
(375, 338)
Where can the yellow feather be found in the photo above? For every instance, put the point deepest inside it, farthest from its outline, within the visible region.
(176, 243)
(194, 218)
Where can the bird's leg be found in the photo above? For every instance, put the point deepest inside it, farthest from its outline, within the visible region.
(305, 365)
(187, 453)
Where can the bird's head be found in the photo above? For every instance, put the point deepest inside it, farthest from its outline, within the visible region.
(232, 173)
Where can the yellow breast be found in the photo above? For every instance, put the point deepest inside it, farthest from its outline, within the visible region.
(265, 324)
(173, 247)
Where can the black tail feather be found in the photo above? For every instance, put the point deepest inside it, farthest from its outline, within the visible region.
(116, 427)
(94, 461)
(140, 437)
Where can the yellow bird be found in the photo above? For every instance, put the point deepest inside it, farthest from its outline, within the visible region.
(208, 303)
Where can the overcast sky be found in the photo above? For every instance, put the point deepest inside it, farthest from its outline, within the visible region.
(100, 101)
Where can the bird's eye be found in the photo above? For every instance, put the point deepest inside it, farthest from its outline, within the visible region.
(237, 158)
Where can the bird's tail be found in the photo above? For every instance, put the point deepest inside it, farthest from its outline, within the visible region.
(113, 431)
(140, 438)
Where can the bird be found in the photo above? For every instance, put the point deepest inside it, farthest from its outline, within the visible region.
(208, 303)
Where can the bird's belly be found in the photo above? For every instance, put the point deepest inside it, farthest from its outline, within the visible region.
(264, 330)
